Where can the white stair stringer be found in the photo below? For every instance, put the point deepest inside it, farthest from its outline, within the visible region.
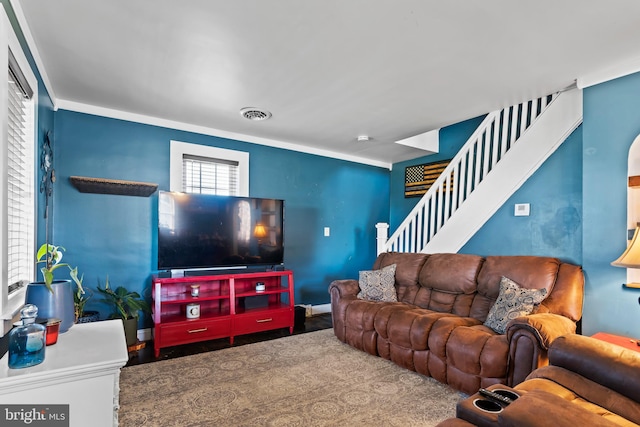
(535, 145)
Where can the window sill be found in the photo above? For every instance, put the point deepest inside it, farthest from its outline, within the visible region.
(11, 310)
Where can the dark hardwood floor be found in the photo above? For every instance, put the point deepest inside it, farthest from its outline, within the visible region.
(145, 355)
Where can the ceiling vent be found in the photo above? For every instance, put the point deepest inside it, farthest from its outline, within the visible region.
(256, 114)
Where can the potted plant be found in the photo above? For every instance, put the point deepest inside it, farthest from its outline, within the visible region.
(80, 298)
(127, 306)
(54, 298)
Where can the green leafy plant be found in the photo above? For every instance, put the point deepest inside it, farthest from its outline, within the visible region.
(80, 296)
(50, 256)
(126, 303)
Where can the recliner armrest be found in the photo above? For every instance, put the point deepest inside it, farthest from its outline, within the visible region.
(546, 327)
(530, 410)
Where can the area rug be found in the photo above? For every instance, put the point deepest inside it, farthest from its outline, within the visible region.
(305, 380)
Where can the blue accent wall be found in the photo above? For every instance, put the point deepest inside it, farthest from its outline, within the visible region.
(116, 235)
(452, 138)
(554, 226)
(611, 123)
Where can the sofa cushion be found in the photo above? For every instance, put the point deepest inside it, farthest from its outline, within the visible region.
(476, 357)
(378, 285)
(513, 301)
(448, 283)
(408, 267)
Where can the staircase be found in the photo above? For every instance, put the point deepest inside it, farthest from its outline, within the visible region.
(502, 153)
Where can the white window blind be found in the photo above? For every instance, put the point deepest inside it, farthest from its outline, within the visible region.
(204, 175)
(20, 173)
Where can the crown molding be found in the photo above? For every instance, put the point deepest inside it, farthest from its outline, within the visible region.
(171, 124)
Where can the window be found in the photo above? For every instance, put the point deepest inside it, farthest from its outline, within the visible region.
(209, 170)
(20, 172)
(17, 174)
(205, 175)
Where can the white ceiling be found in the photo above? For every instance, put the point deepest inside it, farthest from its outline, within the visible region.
(328, 70)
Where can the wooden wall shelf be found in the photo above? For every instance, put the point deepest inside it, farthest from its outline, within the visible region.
(113, 186)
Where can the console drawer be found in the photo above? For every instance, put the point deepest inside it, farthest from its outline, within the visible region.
(262, 321)
(194, 331)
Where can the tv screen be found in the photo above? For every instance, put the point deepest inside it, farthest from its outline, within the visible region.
(197, 231)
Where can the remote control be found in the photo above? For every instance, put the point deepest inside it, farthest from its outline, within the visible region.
(492, 395)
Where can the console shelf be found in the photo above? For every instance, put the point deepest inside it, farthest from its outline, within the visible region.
(229, 306)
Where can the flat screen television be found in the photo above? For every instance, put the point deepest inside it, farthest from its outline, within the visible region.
(199, 232)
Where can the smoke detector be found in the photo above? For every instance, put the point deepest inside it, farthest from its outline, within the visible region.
(256, 114)
(363, 138)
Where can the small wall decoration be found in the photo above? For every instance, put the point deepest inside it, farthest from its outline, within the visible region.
(48, 178)
(418, 179)
(48, 173)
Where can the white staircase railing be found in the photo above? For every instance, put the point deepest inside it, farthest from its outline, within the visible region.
(486, 147)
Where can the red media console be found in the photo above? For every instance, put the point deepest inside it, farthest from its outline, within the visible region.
(226, 305)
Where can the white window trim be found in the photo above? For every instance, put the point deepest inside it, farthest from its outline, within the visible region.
(9, 306)
(179, 149)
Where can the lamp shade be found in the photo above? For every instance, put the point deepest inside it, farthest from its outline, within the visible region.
(631, 257)
(259, 231)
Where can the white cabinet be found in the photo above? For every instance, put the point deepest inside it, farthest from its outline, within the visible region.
(82, 370)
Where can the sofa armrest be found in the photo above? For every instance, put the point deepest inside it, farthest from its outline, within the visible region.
(529, 338)
(345, 288)
(546, 327)
(343, 293)
(530, 409)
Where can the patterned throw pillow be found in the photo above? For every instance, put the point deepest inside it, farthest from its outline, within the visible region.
(513, 301)
(378, 285)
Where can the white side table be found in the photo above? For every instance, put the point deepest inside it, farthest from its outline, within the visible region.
(82, 370)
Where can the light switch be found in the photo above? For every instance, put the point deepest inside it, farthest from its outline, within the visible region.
(522, 209)
(327, 232)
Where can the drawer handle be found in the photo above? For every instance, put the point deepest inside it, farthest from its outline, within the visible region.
(264, 320)
(193, 331)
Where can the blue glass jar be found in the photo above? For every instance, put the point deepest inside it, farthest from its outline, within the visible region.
(27, 340)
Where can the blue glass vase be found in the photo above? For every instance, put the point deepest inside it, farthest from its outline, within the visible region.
(58, 304)
(27, 340)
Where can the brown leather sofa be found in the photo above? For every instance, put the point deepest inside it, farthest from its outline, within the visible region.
(587, 383)
(436, 327)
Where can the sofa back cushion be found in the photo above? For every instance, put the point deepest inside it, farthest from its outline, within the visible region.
(529, 272)
(447, 283)
(568, 293)
(607, 364)
(408, 267)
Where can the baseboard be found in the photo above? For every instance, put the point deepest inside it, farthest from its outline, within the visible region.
(321, 309)
(145, 334)
(311, 310)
